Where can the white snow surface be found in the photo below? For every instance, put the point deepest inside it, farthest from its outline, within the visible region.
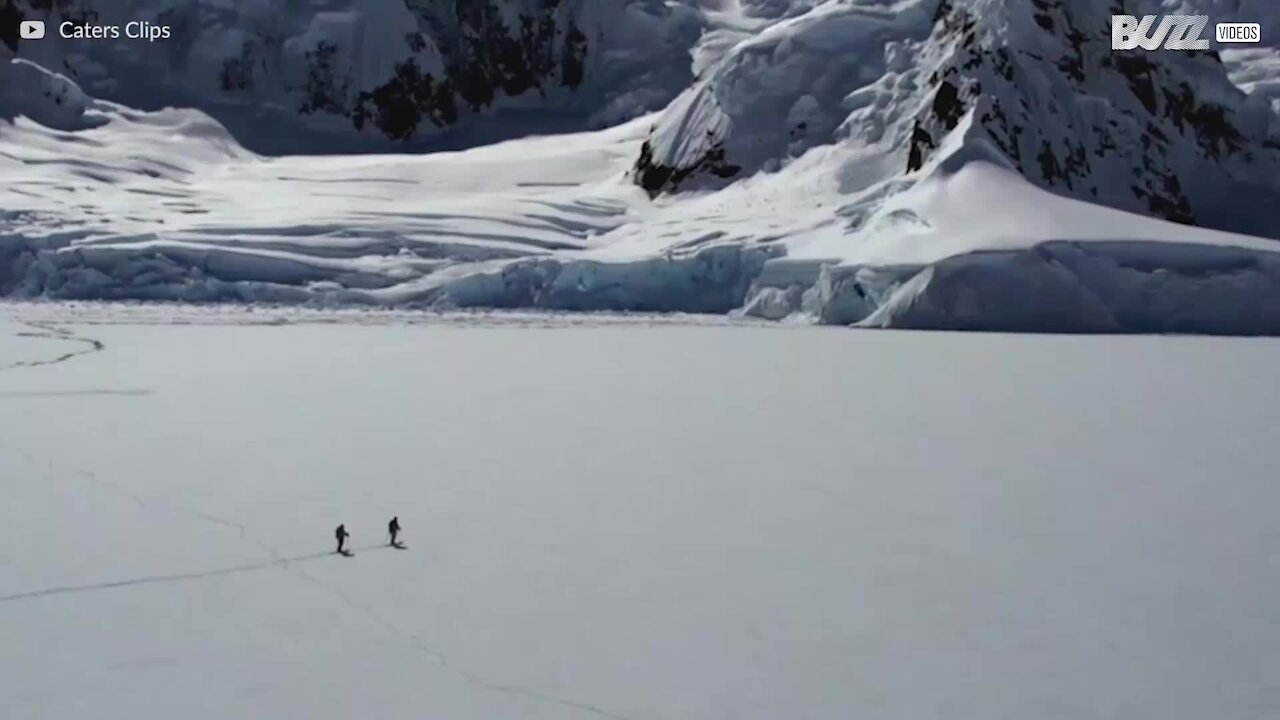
(614, 521)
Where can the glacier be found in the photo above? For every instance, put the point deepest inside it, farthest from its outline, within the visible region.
(978, 165)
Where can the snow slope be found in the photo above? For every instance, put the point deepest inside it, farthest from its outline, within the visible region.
(981, 247)
(1160, 133)
(630, 522)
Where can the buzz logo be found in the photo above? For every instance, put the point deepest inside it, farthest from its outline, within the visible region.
(1175, 32)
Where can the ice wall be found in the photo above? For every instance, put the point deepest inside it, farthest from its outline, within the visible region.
(1056, 287)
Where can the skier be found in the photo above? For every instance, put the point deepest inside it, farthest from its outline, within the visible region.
(393, 527)
(341, 533)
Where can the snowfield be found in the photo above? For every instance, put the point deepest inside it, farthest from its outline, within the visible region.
(615, 519)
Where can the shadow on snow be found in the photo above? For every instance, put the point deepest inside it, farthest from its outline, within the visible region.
(177, 577)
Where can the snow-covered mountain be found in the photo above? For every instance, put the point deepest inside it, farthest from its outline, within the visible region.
(974, 164)
(328, 75)
(1164, 133)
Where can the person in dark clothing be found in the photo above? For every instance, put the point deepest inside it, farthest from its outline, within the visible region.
(341, 535)
(393, 527)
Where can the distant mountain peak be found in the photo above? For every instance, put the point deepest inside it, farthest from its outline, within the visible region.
(364, 75)
(1162, 133)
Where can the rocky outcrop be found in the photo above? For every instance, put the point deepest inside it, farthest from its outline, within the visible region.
(1162, 133)
(371, 71)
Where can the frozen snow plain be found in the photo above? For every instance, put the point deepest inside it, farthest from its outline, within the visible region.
(611, 518)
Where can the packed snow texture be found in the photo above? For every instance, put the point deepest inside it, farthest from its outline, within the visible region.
(906, 164)
(629, 522)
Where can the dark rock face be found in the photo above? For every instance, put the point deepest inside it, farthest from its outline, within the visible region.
(1136, 130)
(398, 106)
(655, 177)
(1160, 133)
(483, 59)
(10, 17)
(944, 114)
(13, 12)
(347, 76)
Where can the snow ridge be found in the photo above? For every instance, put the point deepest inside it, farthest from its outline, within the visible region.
(1165, 134)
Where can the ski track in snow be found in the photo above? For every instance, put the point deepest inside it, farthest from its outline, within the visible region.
(288, 564)
(152, 579)
(51, 332)
(74, 393)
